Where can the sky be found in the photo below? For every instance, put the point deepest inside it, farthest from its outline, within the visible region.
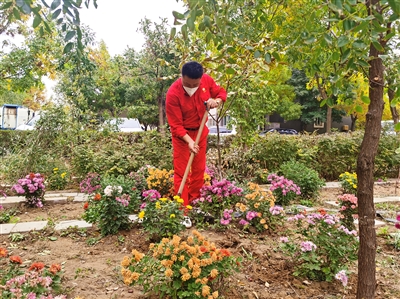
(116, 21)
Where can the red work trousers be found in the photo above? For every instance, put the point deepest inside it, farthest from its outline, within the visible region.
(195, 178)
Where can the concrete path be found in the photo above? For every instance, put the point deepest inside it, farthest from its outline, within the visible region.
(65, 196)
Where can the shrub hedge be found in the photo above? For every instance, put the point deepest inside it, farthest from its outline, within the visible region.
(121, 153)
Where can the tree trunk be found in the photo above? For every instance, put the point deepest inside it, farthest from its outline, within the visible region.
(161, 120)
(353, 122)
(393, 110)
(366, 285)
(328, 119)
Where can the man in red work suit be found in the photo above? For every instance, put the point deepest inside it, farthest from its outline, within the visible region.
(185, 109)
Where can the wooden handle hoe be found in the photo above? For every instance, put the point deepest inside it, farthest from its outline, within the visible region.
(196, 142)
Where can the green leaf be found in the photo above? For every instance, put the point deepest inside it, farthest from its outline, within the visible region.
(190, 24)
(348, 24)
(68, 47)
(323, 103)
(310, 40)
(397, 127)
(345, 56)
(36, 21)
(378, 46)
(395, 5)
(359, 44)
(56, 14)
(55, 4)
(20, 3)
(45, 4)
(69, 35)
(257, 54)
(359, 109)
(268, 58)
(335, 56)
(276, 56)
(230, 71)
(365, 99)
(209, 36)
(16, 13)
(178, 15)
(26, 9)
(363, 63)
(342, 41)
(184, 31)
(207, 21)
(53, 238)
(173, 33)
(328, 38)
(6, 5)
(394, 17)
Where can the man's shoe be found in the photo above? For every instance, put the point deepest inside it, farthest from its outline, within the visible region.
(187, 222)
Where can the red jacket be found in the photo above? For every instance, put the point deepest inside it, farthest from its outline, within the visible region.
(186, 112)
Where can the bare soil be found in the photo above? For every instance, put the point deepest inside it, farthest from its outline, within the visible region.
(91, 263)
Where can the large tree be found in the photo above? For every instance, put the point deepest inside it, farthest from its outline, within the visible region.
(348, 34)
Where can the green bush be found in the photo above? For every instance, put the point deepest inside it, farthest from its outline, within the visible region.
(306, 178)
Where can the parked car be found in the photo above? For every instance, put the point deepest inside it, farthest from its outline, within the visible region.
(223, 131)
(30, 125)
(282, 131)
(124, 124)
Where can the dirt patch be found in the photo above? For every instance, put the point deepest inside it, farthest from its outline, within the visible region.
(91, 263)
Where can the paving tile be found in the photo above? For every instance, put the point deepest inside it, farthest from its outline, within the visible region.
(377, 222)
(72, 223)
(28, 226)
(6, 228)
(387, 199)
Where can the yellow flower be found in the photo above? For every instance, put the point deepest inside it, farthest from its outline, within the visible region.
(172, 216)
(158, 205)
(55, 169)
(186, 277)
(126, 261)
(354, 186)
(141, 215)
(262, 221)
(205, 290)
(215, 294)
(214, 273)
(163, 199)
(189, 207)
(63, 175)
(168, 272)
(179, 200)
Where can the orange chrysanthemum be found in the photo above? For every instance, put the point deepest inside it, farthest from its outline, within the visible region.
(15, 259)
(36, 267)
(86, 205)
(3, 252)
(54, 268)
(97, 196)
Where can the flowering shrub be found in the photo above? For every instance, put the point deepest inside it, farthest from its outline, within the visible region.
(348, 181)
(216, 198)
(397, 224)
(348, 209)
(321, 246)
(33, 188)
(283, 189)
(57, 180)
(162, 181)
(259, 210)
(91, 183)
(37, 281)
(176, 268)
(342, 277)
(160, 216)
(109, 209)
(139, 178)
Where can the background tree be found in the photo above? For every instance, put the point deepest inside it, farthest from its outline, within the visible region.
(149, 73)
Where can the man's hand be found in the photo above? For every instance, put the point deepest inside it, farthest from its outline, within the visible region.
(193, 148)
(213, 103)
